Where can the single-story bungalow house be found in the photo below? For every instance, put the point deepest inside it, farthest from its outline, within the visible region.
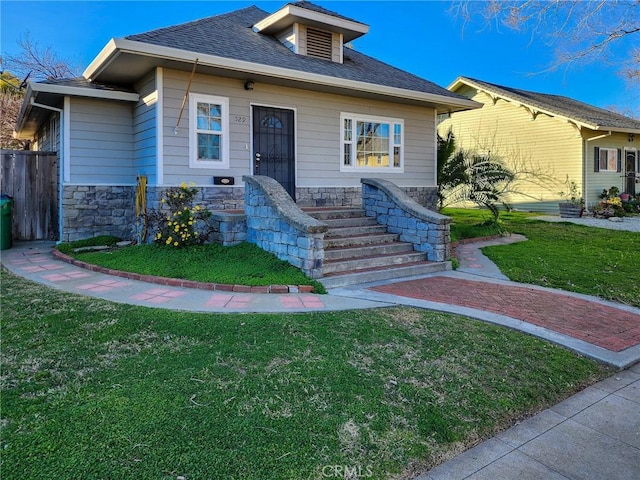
(552, 137)
(220, 99)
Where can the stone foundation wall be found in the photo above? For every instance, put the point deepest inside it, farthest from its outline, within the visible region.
(213, 197)
(352, 196)
(329, 196)
(232, 198)
(90, 210)
(425, 196)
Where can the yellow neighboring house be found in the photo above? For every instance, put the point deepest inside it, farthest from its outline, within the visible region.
(549, 139)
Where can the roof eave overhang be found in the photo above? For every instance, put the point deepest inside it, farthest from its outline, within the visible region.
(71, 91)
(604, 128)
(25, 108)
(35, 90)
(459, 82)
(290, 14)
(116, 47)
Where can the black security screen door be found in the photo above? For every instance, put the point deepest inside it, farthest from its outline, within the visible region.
(630, 171)
(274, 146)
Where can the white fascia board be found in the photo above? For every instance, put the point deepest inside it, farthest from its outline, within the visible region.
(67, 90)
(271, 19)
(141, 48)
(295, 13)
(604, 128)
(102, 60)
(22, 115)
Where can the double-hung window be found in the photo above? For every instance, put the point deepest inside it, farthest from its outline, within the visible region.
(608, 160)
(208, 131)
(371, 143)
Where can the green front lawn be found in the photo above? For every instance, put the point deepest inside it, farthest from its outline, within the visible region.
(93, 389)
(593, 261)
(243, 264)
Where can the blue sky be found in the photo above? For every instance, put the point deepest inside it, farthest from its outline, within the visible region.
(418, 36)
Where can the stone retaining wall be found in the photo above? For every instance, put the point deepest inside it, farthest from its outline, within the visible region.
(427, 230)
(276, 224)
(228, 228)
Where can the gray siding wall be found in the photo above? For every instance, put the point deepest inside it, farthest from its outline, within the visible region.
(144, 129)
(101, 142)
(317, 133)
(48, 137)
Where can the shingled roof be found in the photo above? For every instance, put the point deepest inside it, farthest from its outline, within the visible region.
(588, 115)
(231, 36)
(81, 82)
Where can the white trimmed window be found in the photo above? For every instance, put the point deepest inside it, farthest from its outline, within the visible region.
(208, 131)
(608, 160)
(371, 143)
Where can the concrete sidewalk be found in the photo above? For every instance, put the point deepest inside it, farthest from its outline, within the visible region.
(593, 435)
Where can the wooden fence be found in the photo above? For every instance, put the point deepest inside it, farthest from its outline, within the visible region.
(31, 178)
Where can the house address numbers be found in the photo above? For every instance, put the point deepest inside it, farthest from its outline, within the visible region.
(240, 119)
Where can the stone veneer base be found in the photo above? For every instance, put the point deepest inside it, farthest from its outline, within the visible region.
(176, 282)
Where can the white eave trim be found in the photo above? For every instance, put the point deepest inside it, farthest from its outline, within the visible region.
(102, 60)
(291, 13)
(459, 82)
(531, 108)
(604, 128)
(71, 91)
(121, 45)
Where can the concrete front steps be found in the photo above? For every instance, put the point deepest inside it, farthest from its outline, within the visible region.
(358, 250)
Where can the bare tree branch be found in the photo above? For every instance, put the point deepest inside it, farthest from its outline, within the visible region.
(10, 103)
(35, 63)
(41, 63)
(581, 31)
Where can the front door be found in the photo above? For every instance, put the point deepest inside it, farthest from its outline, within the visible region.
(274, 146)
(631, 164)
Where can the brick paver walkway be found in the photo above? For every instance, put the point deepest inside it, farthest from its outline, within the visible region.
(598, 324)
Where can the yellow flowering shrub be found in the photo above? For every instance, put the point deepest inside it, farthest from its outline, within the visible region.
(178, 223)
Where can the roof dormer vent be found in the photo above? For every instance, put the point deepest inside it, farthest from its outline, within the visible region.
(307, 29)
(319, 43)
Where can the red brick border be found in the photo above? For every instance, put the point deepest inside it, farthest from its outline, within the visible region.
(176, 282)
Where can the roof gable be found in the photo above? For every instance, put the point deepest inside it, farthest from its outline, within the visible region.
(581, 113)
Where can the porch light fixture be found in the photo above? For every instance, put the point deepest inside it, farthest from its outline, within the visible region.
(631, 137)
(248, 85)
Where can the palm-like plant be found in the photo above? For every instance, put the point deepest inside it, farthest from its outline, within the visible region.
(467, 177)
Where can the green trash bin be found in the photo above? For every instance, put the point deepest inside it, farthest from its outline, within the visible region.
(6, 219)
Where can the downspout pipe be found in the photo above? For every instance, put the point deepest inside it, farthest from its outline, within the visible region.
(586, 152)
(33, 103)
